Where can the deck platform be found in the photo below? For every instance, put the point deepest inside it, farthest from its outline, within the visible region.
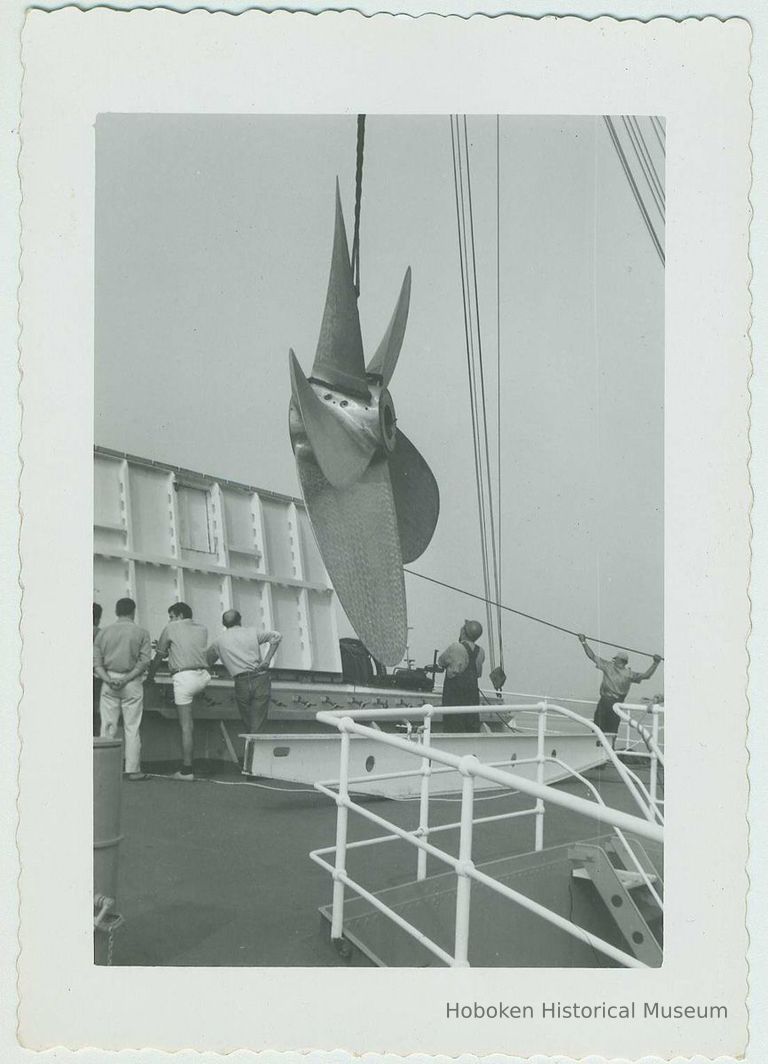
(216, 872)
(502, 934)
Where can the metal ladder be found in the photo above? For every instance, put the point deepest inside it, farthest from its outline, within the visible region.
(623, 892)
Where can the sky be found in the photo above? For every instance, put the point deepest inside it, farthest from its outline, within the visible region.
(213, 244)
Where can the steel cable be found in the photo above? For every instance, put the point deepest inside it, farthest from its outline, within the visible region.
(530, 616)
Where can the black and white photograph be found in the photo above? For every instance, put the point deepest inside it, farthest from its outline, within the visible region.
(378, 540)
(398, 436)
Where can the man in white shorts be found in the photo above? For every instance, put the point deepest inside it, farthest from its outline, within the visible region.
(184, 642)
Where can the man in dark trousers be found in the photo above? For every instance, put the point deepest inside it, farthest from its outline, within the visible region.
(617, 680)
(240, 651)
(462, 663)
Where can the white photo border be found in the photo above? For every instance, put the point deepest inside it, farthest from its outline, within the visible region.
(695, 74)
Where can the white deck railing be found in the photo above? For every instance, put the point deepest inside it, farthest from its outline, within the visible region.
(650, 737)
(470, 769)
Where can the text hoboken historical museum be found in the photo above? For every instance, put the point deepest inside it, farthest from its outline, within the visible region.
(572, 1010)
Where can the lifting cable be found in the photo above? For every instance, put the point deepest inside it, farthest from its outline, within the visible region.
(482, 406)
(530, 616)
(355, 261)
(469, 345)
(476, 376)
(498, 388)
(490, 520)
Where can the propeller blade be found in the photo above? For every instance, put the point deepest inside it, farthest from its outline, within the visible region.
(417, 498)
(341, 453)
(384, 361)
(356, 531)
(339, 357)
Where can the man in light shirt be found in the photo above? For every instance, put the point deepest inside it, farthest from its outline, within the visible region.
(239, 649)
(121, 653)
(617, 680)
(184, 642)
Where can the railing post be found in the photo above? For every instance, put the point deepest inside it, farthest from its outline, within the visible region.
(653, 781)
(426, 772)
(337, 915)
(464, 880)
(541, 733)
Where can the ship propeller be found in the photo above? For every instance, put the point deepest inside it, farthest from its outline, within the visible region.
(371, 497)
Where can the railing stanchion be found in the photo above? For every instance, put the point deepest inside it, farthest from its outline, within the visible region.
(541, 732)
(337, 916)
(464, 880)
(426, 772)
(653, 782)
(470, 768)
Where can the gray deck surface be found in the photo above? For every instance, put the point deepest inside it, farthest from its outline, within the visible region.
(216, 874)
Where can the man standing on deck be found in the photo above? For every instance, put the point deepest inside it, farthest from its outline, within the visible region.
(121, 654)
(617, 680)
(463, 666)
(240, 651)
(184, 642)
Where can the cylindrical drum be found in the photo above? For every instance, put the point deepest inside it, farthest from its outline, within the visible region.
(107, 790)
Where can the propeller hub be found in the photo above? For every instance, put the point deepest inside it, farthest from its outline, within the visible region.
(387, 420)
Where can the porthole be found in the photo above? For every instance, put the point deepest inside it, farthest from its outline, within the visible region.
(617, 901)
(281, 751)
(638, 937)
(370, 761)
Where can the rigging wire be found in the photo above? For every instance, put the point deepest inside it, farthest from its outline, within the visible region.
(487, 516)
(498, 388)
(657, 181)
(658, 128)
(355, 260)
(488, 507)
(530, 616)
(640, 148)
(634, 187)
(596, 344)
(469, 331)
(482, 405)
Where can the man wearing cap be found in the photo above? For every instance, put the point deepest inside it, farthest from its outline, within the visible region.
(462, 663)
(617, 680)
(240, 651)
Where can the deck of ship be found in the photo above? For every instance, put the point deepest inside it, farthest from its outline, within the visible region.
(216, 872)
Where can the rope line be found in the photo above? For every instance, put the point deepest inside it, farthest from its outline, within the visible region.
(355, 793)
(530, 616)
